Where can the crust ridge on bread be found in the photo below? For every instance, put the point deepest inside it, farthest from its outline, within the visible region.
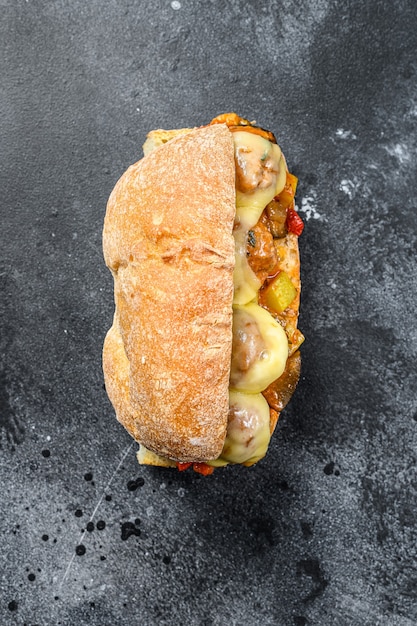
(168, 241)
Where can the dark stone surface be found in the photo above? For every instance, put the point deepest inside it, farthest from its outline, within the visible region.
(323, 531)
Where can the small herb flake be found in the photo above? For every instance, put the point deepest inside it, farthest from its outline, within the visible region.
(251, 238)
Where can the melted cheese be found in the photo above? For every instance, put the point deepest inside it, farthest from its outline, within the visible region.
(261, 175)
(260, 172)
(269, 356)
(249, 206)
(248, 432)
(245, 282)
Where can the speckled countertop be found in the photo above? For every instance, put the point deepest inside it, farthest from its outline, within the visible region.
(321, 532)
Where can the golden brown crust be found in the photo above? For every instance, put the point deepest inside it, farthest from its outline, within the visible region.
(168, 241)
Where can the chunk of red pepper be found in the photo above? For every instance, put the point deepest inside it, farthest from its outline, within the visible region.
(200, 468)
(294, 222)
(203, 468)
(183, 466)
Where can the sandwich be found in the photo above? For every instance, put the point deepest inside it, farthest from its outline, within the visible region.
(201, 237)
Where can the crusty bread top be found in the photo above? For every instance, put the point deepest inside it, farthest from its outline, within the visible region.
(168, 240)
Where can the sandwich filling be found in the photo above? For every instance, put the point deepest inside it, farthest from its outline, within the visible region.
(260, 348)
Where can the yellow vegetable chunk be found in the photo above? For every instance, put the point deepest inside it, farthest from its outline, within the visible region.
(280, 293)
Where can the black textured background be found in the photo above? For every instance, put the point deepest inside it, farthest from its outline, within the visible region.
(321, 532)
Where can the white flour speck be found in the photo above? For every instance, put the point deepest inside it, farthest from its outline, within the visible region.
(400, 151)
(309, 209)
(412, 111)
(341, 133)
(176, 5)
(349, 187)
